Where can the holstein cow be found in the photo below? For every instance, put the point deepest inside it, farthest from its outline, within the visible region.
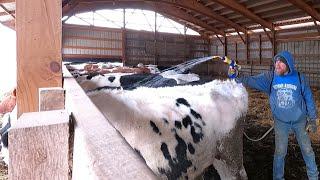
(105, 68)
(179, 131)
(131, 81)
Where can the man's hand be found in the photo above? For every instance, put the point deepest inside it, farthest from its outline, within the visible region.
(311, 126)
(232, 72)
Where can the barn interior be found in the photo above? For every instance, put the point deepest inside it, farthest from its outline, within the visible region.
(251, 32)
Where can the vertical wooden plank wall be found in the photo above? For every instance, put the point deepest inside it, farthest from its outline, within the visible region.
(38, 27)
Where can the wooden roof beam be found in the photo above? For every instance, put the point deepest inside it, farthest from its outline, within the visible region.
(181, 21)
(7, 11)
(6, 1)
(244, 42)
(65, 2)
(10, 24)
(158, 6)
(198, 7)
(71, 4)
(305, 7)
(261, 3)
(193, 5)
(234, 5)
(209, 3)
(173, 11)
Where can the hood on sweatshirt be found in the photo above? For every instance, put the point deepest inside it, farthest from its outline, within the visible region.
(289, 58)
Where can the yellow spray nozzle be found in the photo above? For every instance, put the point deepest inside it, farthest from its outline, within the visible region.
(215, 57)
(227, 60)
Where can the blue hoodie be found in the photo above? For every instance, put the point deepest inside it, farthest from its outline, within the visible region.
(290, 98)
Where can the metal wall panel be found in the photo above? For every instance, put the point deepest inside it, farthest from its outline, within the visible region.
(307, 58)
(241, 52)
(165, 50)
(88, 42)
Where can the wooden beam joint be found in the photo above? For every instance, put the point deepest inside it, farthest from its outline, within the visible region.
(268, 35)
(243, 40)
(220, 40)
(7, 11)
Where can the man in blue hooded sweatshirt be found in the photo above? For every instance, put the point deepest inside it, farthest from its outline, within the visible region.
(293, 110)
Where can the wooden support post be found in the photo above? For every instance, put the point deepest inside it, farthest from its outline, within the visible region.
(185, 43)
(124, 38)
(155, 40)
(247, 47)
(260, 53)
(39, 146)
(274, 43)
(209, 54)
(248, 55)
(38, 27)
(51, 99)
(236, 45)
(274, 46)
(225, 46)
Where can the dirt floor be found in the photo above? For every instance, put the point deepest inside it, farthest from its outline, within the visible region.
(258, 156)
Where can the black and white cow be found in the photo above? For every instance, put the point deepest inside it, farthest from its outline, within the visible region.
(180, 131)
(131, 81)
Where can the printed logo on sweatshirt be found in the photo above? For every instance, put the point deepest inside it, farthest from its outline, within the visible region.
(285, 95)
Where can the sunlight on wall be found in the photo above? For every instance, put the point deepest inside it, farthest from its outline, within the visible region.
(8, 59)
